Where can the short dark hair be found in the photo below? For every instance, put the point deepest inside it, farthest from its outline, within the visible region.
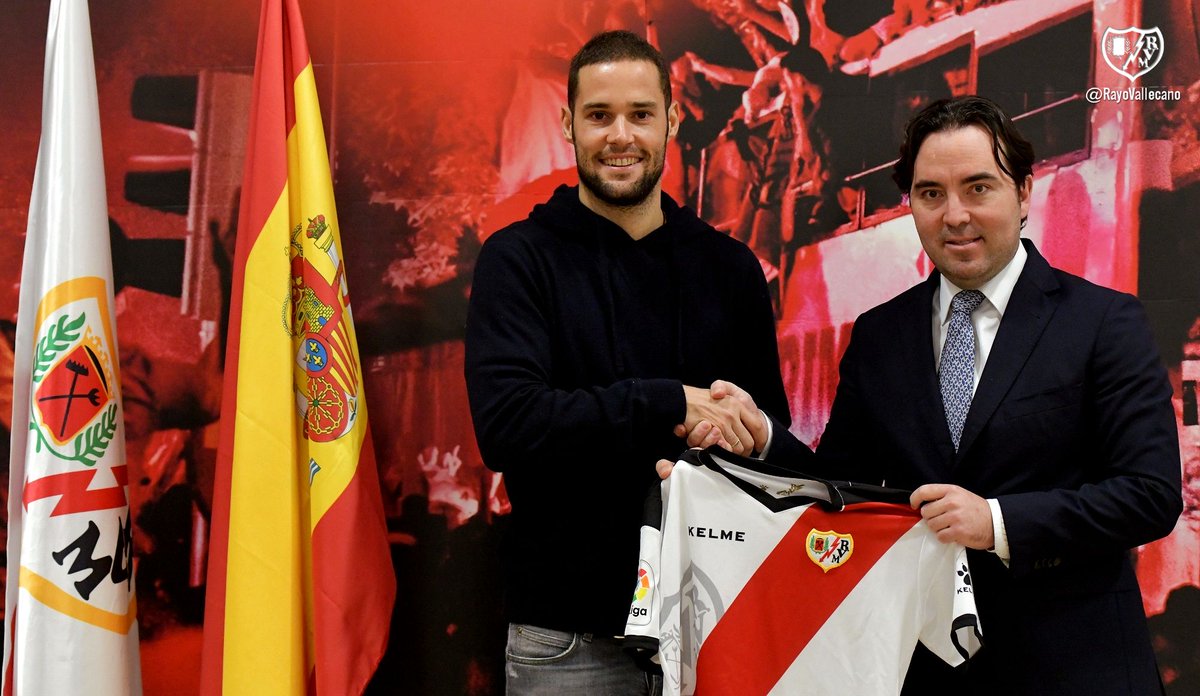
(959, 112)
(611, 47)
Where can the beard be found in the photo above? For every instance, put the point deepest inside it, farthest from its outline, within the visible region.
(625, 194)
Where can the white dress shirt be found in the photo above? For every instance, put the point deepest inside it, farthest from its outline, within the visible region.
(986, 322)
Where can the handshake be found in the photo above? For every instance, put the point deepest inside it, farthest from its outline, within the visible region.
(723, 415)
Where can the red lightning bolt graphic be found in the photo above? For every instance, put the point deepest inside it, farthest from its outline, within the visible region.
(832, 547)
(75, 494)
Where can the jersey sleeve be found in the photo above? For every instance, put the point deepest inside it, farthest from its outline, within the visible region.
(951, 629)
(642, 626)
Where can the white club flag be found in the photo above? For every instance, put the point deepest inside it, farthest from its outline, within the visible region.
(70, 616)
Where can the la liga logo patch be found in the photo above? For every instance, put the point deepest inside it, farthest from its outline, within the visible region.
(644, 581)
(643, 593)
(828, 549)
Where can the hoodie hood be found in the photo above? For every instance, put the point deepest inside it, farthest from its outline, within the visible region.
(565, 214)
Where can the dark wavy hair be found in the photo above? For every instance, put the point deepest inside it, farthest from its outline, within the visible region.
(611, 47)
(1013, 153)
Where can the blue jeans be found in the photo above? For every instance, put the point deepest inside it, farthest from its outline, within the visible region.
(546, 662)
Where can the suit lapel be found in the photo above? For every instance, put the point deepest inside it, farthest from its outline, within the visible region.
(914, 350)
(1029, 310)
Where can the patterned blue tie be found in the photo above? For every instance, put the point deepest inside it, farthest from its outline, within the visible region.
(957, 372)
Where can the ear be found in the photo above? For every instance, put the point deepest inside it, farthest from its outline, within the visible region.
(672, 120)
(1024, 194)
(568, 130)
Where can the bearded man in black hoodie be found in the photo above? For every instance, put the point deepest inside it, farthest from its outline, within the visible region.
(595, 327)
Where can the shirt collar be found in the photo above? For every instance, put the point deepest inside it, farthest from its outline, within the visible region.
(997, 291)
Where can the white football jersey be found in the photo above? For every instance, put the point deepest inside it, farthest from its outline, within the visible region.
(753, 581)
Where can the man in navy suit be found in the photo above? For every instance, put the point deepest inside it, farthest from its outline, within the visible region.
(1032, 417)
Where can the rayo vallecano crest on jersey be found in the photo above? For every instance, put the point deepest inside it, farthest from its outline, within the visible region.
(75, 476)
(828, 549)
(1132, 52)
(327, 393)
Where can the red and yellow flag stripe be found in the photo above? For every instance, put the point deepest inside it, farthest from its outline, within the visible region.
(300, 579)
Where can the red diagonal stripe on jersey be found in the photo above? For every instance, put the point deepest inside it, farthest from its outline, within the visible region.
(789, 598)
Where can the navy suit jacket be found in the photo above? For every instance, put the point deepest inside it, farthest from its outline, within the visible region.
(1071, 428)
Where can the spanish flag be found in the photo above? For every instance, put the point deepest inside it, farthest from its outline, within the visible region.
(300, 581)
(70, 616)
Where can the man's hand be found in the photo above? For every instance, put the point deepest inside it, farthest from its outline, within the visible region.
(751, 416)
(664, 467)
(724, 415)
(955, 514)
(744, 428)
(704, 435)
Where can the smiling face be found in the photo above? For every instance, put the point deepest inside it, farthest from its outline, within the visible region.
(967, 211)
(620, 126)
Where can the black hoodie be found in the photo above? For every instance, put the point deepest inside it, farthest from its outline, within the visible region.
(579, 341)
